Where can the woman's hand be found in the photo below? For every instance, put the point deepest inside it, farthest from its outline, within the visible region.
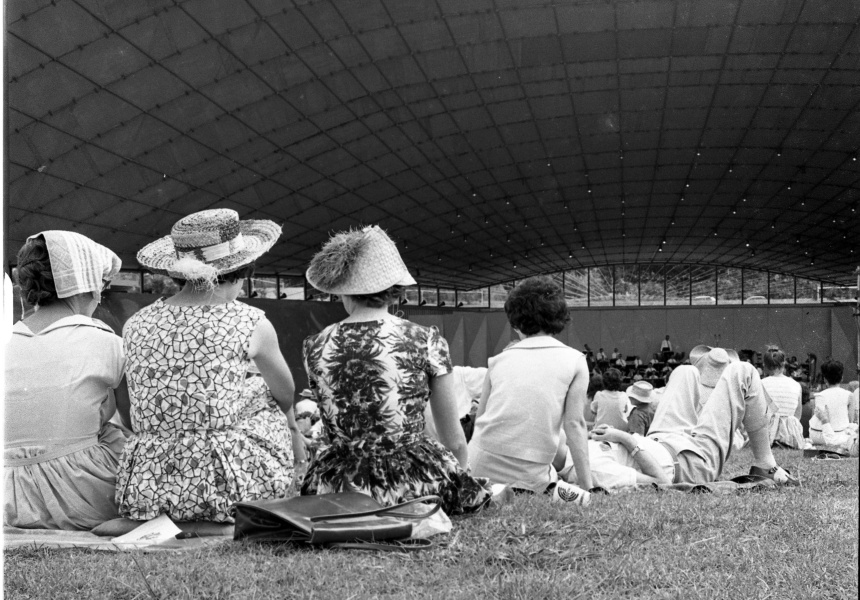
(823, 414)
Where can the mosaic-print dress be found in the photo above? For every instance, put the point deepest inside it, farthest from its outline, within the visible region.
(199, 445)
(371, 380)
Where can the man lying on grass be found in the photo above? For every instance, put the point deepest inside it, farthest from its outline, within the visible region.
(692, 432)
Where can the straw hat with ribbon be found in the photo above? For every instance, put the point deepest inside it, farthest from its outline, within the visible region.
(358, 262)
(641, 392)
(711, 362)
(208, 243)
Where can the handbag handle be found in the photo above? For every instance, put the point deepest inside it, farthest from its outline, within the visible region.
(387, 511)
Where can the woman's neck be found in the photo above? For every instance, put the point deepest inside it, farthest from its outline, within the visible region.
(45, 316)
(189, 295)
(367, 313)
(523, 336)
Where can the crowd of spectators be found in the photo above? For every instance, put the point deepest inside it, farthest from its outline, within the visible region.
(386, 413)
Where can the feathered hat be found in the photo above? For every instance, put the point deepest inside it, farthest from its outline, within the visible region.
(358, 262)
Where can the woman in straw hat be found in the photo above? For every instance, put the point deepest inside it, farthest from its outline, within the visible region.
(61, 452)
(372, 375)
(191, 457)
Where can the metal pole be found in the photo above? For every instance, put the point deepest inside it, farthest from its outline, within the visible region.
(857, 318)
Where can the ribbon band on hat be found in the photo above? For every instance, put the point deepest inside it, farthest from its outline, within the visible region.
(208, 243)
(214, 252)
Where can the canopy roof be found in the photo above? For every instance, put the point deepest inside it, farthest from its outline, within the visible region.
(479, 133)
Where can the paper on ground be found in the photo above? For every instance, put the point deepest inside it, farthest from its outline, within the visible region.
(155, 531)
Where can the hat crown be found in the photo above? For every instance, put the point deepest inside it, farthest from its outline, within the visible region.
(357, 262)
(205, 228)
(641, 390)
(718, 356)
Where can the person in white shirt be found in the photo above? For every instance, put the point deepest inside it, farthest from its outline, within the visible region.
(844, 442)
(666, 348)
(784, 395)
(854, 405)
(835, 398)
(534, 395)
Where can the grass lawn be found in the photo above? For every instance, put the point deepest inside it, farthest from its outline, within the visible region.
(793, 543)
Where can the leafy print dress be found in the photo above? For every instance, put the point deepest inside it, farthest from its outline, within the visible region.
(203, 439)
(371, 380)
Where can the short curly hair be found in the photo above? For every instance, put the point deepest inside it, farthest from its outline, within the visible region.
(382, 299)
(612, 380)
(832, 371)
(537, 305)
(34, 273)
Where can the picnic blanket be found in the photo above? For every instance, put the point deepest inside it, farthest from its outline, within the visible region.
(14, 537)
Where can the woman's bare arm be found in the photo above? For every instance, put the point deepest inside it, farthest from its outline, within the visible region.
(444, 409)
(651, 470)
(266, 354)
(573, 423)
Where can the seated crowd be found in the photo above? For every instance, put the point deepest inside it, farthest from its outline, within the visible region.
(205, 398)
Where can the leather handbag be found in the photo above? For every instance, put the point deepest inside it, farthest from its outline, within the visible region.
(343, 520)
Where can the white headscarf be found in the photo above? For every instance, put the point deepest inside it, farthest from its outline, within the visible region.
(78, 264)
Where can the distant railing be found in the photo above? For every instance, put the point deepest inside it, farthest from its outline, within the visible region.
(604, 286)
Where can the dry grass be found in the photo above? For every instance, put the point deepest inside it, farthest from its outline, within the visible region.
(784, 544)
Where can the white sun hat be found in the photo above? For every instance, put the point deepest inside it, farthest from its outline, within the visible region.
(357, 262)
(641, 391)
(711, 365)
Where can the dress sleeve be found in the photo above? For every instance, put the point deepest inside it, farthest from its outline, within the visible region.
(438, 357)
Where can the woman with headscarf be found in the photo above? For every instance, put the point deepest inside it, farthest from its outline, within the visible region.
(193, 455)
(372, 375)
(61, 453)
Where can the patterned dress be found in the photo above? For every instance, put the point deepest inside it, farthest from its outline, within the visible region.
(202, 441)
(371, 380)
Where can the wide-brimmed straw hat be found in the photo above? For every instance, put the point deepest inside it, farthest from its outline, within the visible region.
(358, 262)
(208, 243)
(711, 362)
(641, 391)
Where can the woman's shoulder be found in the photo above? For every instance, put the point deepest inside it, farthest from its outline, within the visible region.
(321, 335)
(245, 309)
(412, 329)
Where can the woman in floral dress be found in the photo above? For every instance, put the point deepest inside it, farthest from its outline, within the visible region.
(372, 375)
(197, 449)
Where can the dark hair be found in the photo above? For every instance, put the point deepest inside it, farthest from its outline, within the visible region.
(595, 384)
(773, 359)
(242, 272)
(832, 371)
(381, 299)
(537, 304)
(34, 273)
(612, 380)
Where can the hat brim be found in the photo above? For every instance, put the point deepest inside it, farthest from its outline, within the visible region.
(259, 236)
(351, 289)
(698, 352)
(631, 392)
